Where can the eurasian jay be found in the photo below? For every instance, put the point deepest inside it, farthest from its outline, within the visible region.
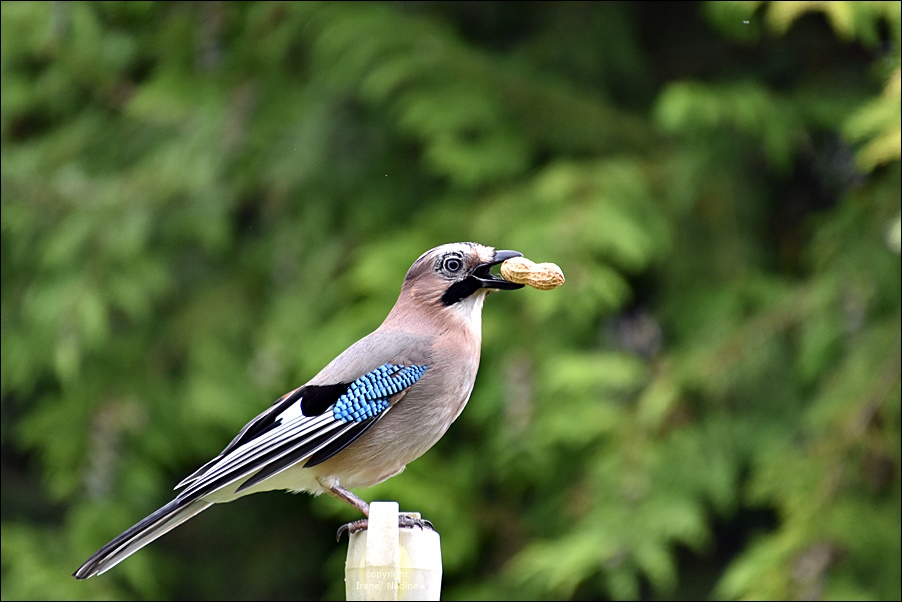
(379, 405)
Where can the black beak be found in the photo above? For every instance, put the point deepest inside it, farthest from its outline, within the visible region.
(487, 279)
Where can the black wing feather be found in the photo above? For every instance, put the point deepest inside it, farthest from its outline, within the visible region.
(322, 447)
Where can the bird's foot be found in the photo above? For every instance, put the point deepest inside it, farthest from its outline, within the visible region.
(405, 521)
(352, 527)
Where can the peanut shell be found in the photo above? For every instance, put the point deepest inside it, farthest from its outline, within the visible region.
(543, 276)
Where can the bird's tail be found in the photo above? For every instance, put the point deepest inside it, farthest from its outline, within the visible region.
(166, 518)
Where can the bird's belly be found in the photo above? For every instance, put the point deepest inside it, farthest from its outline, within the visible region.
(406, 432)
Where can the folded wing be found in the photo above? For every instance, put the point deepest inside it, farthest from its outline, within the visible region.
(310, 424)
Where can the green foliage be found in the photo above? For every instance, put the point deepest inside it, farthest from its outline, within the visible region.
(202, 203)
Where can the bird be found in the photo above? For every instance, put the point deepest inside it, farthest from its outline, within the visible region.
(379, 405)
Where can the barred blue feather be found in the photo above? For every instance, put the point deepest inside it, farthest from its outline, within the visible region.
(368, 395)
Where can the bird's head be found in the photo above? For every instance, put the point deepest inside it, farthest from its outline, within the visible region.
(456, 277)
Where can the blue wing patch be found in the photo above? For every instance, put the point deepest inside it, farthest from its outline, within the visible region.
(368, 396)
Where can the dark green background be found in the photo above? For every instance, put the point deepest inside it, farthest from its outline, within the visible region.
(202, 203)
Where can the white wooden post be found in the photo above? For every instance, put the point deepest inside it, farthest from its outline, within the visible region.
(388, 563)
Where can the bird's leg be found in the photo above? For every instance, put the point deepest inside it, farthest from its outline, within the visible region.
(404, 520)
(349, 498)
(346, 496)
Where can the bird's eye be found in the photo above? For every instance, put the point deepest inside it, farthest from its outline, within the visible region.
(452, 264)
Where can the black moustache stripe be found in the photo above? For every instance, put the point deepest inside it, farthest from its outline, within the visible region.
(460, 291)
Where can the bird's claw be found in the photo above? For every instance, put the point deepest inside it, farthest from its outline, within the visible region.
(351, 528)
(405, 521)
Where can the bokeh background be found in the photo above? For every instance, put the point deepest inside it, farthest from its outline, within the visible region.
(204, 202)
